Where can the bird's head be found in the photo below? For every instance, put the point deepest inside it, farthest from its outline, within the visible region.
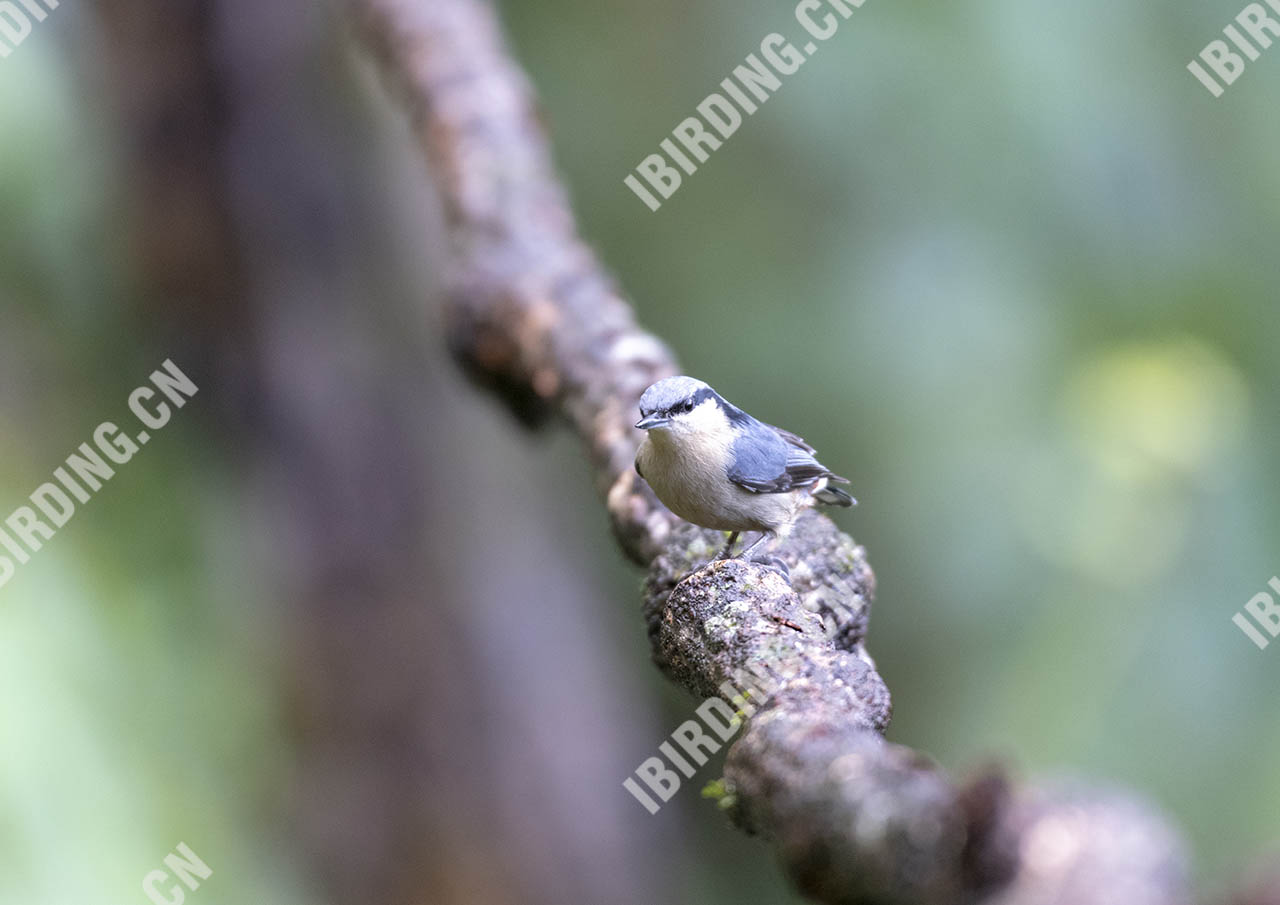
(682, 405)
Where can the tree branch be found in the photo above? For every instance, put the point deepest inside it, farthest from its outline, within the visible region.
(534, 315)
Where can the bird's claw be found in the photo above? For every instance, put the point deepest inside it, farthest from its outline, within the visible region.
(775, 563)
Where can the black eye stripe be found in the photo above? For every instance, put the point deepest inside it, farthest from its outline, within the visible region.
(688, 404)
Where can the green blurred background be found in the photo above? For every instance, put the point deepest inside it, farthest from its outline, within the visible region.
(1007, 265)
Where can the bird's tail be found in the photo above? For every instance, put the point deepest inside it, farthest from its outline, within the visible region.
(834, 496)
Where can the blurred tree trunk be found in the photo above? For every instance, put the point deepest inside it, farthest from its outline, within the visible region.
(455, 726)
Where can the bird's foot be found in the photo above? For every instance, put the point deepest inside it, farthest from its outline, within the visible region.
(775, 563)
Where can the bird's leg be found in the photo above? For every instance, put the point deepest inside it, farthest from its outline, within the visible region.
(772, 562)
(727, 552)
(764, 536)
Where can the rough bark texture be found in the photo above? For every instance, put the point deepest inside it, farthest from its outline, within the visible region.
(532, 314)
(856, 820)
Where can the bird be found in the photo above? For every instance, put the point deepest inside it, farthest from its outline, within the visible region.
(716, 466)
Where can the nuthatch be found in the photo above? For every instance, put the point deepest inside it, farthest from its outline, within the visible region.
(716, 466)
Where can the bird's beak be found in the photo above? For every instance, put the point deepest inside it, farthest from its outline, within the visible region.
(651, 422)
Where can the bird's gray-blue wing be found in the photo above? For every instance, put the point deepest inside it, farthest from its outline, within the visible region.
(762, 459)
(795, 440)
(769, 460)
